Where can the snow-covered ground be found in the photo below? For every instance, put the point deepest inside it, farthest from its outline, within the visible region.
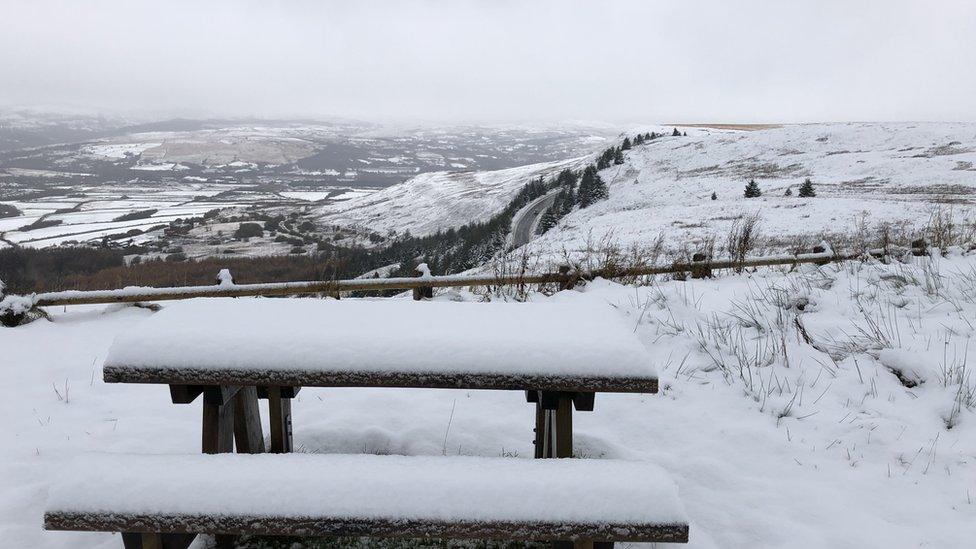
(824, 407)
(94, 215)
(863, 173)
(439, 200)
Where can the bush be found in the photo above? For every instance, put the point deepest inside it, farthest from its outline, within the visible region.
(132, 216)
(247, 230)
(8, 210)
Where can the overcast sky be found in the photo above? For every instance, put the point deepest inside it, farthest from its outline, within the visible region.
(497, 60)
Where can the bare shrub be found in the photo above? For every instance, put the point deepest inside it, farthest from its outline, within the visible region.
(742, 238)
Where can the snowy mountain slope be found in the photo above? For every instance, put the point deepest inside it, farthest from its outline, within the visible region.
(861, 171)
(440, 200)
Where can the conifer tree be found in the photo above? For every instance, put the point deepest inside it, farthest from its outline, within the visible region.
(548, 220)
(676, 133)
(626, 144)
(567, 178)
(789, 191)
(592, 187)
(752, 189)
(618, 157)
(714, 196)
(806, 189)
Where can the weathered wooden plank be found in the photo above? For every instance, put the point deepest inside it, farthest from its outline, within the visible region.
(584, 401)
(343, 378)
(540, 430)
(131, 540)
(218, 427)
(184, 394)
(220, 393)
(136, 540)
(152, 541)
(279, 411)
(564, 428)
(286, 392)
(564, 278)
(326, 526)
(248, 435)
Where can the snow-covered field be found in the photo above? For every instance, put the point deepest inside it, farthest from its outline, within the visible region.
(93, 215)
(824, 407)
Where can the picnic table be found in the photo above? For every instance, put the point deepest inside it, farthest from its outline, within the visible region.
(234, 352)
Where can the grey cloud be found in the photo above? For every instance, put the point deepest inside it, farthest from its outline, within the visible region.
(706, 60)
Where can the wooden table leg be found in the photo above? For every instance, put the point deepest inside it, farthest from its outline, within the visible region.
(218, 426)
(540, 430)
(280, 414)
(247, 422)
(564, 427)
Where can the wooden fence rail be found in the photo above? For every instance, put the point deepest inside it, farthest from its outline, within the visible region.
(424, 283)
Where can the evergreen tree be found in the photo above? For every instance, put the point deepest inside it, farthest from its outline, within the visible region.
(592, 187)
(618, 157)
(548, 220)
(567, 178)
(806, 189)
(626, 144)
(789, 191)
(652, 135)
(676, 133)
(714, 196)
(752, 189)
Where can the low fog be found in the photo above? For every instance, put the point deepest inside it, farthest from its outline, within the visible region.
(495, 61)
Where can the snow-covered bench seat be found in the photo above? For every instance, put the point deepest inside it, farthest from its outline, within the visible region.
(156, 498)
(559, 353)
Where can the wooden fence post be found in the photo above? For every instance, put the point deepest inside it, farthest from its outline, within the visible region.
(701, 266)
(919, 247)
(570, 281)
(422, 292)
(819, 249)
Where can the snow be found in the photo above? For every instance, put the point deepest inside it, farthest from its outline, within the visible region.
(384, 336)
(870, 172)
(772, 441)
(438, 200)
(120, 150)
(225, 279)
(15, 304)
(862, 172)
(434, 488)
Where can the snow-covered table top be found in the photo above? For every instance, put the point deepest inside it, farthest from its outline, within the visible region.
(322, 491)
(389, 343)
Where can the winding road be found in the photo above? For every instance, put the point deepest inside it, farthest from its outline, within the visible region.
(523, 226)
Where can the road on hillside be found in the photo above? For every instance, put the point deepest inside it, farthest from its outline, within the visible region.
(522, 226)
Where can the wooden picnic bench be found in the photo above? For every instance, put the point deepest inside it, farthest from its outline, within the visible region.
(161, 500)
(230, 354)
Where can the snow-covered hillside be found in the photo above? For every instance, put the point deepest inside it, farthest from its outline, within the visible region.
(861, 172)
(440, 200)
